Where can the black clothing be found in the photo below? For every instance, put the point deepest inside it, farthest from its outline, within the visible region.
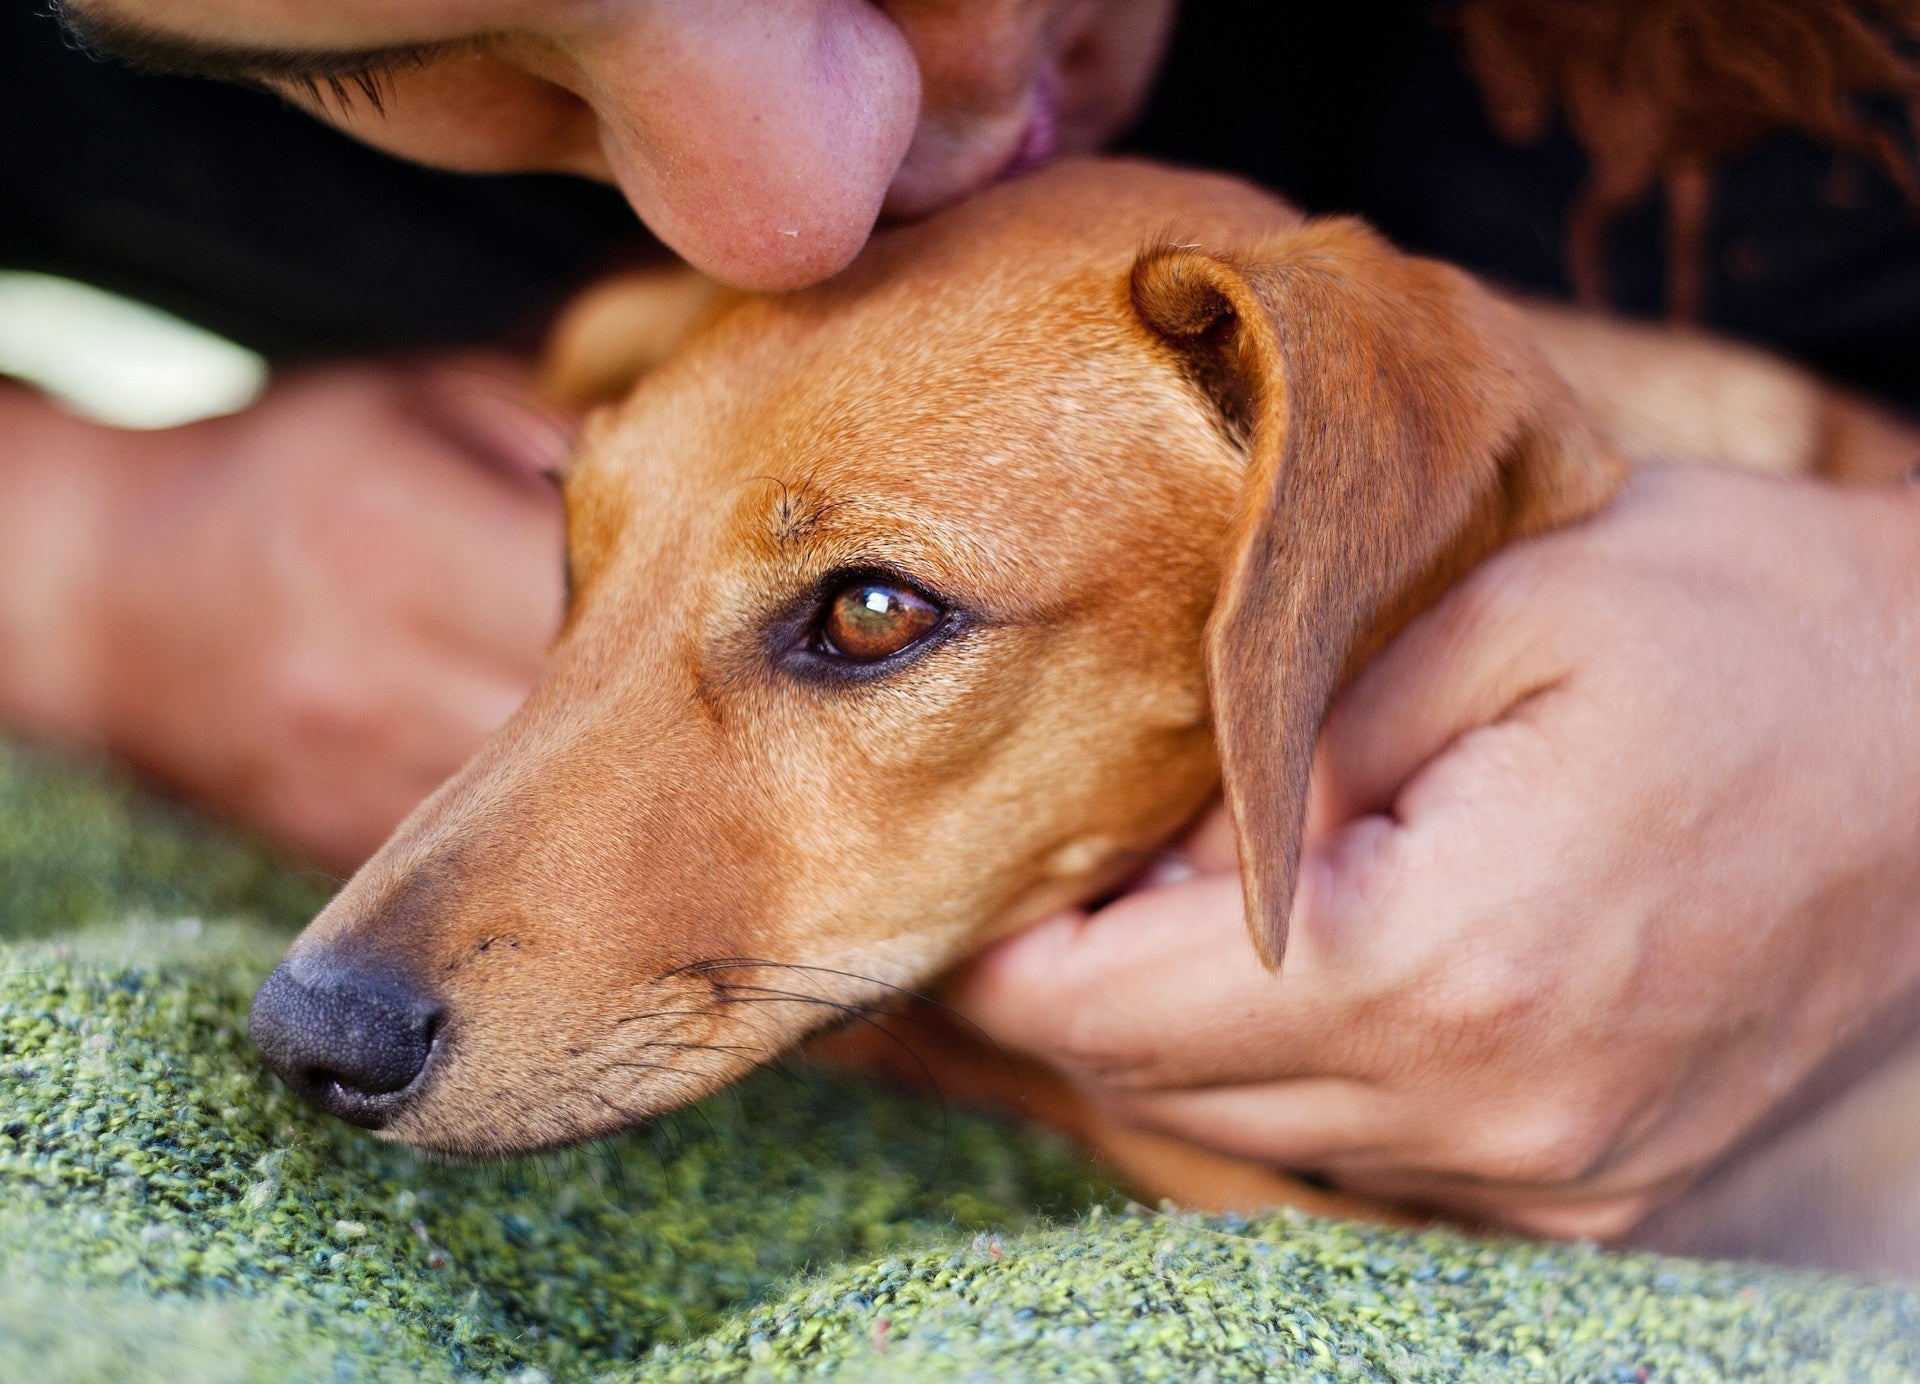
(227, 207)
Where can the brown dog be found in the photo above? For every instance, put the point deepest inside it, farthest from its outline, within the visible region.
(910, 608)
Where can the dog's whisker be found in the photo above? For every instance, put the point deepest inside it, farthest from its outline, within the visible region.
(749, 963)
(647, 1129)
(698, 1111)
(788, 1070)
(858, 1014)
(667, 1122)
(1005, 1058)
(663, 1014)
(648, 1067)
(615, 1150)
(706, 1047)
(750, 994)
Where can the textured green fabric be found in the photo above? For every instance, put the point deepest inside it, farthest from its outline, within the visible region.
(167, 1212)
(77, 845)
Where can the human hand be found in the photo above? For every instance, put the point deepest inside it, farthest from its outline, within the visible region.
(309, 614)
(1608, 854)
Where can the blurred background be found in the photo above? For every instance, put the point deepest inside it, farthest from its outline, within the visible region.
(116, 361)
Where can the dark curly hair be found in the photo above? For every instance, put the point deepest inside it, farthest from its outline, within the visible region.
(1656, 91)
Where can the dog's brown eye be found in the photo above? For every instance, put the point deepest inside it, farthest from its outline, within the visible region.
(870, 620)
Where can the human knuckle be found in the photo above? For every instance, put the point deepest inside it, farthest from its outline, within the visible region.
(1554, 1144)
(319, 707)
(1487, 995)
(1091, 1049)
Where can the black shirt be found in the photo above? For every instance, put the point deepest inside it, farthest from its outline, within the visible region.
(229, 208)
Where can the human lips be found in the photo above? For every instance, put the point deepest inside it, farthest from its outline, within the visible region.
(950, 160)
(1040, 138)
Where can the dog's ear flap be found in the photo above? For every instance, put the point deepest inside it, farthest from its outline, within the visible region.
(1397, 425)
(621, 328)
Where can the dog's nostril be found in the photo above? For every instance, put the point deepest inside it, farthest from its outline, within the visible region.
(329, 1086)
(346, 1036)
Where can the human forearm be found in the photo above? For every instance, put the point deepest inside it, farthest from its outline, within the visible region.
(303, 616)
(1665, 397)
(53, 500)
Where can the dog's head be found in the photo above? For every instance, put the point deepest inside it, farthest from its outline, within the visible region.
(910, 608)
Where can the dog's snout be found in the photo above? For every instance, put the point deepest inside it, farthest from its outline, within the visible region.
(350, 1037)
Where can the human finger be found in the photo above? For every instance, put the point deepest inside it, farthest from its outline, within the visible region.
(1300, 1124)
(1159, 988)
(499, 555)
(1464, 664)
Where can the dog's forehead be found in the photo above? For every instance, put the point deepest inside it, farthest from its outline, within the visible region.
(981, 408)
(999, 451)
(970, 394)
(985, 372)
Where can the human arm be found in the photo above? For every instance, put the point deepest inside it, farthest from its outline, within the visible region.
(304, 615)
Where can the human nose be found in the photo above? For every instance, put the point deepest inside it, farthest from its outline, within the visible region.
(758, 141)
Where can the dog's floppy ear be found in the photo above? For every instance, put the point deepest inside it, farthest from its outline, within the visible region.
(621, 328)
(1398, 425)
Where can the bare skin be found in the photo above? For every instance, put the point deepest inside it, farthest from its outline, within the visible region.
(1779, 925)
(252, 610)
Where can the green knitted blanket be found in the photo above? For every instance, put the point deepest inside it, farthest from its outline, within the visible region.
(168, 1213)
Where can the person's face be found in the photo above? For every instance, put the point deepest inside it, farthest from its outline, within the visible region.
(759, 138)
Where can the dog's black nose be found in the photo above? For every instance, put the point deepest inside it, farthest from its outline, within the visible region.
(349, 1037)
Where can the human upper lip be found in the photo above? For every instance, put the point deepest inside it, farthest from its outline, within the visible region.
(949, 168)
(1040, 137)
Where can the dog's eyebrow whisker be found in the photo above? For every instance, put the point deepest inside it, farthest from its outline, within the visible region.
(785, 490)
(795, 514)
